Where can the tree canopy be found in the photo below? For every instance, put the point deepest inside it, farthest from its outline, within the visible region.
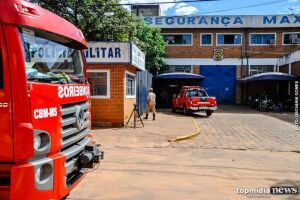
(152, 43)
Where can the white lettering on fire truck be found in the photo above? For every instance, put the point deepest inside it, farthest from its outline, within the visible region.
(3, 105)
(45, 113)
(73, 91)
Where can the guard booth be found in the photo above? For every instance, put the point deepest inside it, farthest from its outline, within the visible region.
(112, 69)
(168, 84)
(274, 85)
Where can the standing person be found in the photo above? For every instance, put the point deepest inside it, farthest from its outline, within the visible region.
(151, 102)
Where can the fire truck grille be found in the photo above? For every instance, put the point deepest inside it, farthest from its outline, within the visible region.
(75, 120)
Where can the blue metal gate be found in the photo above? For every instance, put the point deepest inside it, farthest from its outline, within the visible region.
(220, 81)
(144, 82)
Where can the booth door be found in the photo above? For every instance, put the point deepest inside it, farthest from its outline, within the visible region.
(220, 81)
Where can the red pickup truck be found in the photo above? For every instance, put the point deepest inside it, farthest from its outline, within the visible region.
(194, 99)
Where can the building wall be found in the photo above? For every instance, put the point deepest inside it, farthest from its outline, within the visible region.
(197, 51)
(128, 102)
(295, 69)
(111, 111)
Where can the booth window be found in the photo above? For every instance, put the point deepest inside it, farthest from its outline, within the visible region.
(206, 39)
(130, 85)
(262, 39)
(291, 38)
(258, 69)
(178, 39)
(99, 81)
(229, 39)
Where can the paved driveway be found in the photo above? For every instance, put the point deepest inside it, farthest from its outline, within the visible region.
(236, 127)
(233, 151)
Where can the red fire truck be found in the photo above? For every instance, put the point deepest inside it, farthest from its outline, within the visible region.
(45, 142)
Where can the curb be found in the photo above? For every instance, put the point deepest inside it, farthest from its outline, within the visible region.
(186, 137)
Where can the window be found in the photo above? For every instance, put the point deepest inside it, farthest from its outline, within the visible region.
(206, 39)
(180, 68)
(291, 38)
(258, 69)
(178, 39)
(51, 58)
(196, 93)
(130, 85)
(100, 85)
(229, 39)
(262, 39)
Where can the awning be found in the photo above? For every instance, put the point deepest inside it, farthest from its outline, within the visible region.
(269, 76)
(179, 76)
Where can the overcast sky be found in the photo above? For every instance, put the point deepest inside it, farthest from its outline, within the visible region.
(196, 8)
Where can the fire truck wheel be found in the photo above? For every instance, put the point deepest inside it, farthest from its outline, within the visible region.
(64, 198)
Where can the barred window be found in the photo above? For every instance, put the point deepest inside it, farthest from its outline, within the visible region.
(130, 85)
(258, 69)
(180, 68)
(263, 39)
(99, 81)
(206, 39)
(291, 38)
(229, 39)
(178, 39)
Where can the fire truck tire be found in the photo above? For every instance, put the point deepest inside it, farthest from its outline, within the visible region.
(209, 113)
(64, 198)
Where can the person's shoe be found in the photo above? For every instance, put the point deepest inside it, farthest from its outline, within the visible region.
(153, 117)
(146, 116)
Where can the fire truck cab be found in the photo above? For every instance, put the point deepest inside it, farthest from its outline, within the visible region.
(45, 122)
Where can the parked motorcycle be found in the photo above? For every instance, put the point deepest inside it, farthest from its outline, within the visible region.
(253, 102)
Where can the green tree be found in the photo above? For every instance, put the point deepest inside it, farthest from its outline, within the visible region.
(100, 20)
(151, 42)
(106, 20)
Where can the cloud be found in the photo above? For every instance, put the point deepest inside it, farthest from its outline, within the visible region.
(188, 10)
(292, 1)
(163, 7)
(185, 9)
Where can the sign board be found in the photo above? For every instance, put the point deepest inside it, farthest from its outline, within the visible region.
(115, 53)
(227, 21)
(108, 52)
(137, 57)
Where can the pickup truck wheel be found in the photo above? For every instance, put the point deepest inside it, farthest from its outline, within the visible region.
(185, 111)
(173, 109)
(209, 113)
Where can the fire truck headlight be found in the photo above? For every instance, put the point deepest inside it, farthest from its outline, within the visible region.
(42, 142)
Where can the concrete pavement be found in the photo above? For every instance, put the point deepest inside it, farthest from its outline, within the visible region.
(141, 164)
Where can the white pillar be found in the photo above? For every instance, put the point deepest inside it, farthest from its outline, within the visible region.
(290, 64)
